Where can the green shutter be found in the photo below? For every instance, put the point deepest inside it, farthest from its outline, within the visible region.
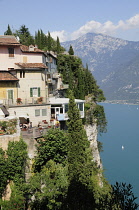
(31, 92)
(39, 92)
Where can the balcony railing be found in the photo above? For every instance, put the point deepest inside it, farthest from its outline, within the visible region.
(64, 86)
(64, 116)
(24, 102)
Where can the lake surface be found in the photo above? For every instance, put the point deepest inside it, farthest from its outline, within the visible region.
(121, 164)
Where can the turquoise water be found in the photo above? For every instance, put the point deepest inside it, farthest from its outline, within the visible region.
(121, 165)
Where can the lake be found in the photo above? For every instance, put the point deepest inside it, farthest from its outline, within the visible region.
(121, 145)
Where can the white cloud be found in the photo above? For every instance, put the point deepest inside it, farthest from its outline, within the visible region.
(108, 28)
(63, 35)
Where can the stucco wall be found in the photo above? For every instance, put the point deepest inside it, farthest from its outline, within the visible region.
(30, 112)
(9, 62)
(32, 79)
(5, 86)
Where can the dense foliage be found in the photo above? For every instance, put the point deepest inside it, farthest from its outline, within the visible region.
(43, 41)
(80, 79)
(13, 162)
(53, 146)
(79, 162)
(49, 187)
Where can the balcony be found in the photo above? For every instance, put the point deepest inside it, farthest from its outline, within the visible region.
(55, 75)
(24, 102)
(64, 86)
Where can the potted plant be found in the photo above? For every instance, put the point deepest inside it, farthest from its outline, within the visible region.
(40, 100)
(19, 100)
(2, 132)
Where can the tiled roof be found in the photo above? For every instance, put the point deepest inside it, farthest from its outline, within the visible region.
(25, 48)
(7, 76)
(8, 40)
(32, 65)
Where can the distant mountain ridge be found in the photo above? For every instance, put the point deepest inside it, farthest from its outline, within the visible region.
(114, 63)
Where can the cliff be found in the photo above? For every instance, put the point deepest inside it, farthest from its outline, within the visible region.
(91, 131)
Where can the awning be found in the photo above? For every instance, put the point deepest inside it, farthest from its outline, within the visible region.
(3, 108)
(24, 116)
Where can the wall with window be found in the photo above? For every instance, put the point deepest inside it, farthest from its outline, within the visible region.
(11, 55)
(32, 84)
(35, 113)
(8, 89)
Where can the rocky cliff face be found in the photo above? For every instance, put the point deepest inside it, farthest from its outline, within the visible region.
(91, 131)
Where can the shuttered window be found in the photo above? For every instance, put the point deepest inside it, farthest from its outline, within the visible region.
(39, 92)
(31, 92)
(11, 51)
(35, 92)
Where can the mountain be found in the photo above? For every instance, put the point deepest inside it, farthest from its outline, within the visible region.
(113, 62)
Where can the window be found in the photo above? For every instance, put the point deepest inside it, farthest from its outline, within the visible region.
(10, 94)
(35, 92)
(44, 113)
(22, 74)
(11, 51)
(24, 59)
(10, 68)
(66, 107)
(37, 112)
(80, 106)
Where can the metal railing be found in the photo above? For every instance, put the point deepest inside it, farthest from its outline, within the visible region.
(24, 102)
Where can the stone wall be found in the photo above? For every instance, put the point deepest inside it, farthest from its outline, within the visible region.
(5, 139)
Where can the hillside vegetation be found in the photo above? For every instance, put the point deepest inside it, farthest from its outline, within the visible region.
(113, 62)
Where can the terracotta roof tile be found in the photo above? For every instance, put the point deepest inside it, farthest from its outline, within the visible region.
(32, 65)
(8, 40)
(7, 76)
(25, 48)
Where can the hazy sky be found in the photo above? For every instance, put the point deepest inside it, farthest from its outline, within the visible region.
(70, 19)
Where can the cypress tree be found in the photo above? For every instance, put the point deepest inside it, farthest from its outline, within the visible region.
(9, 31)
(71, 52)
(58, 45)
(80, 195)
(49, 41)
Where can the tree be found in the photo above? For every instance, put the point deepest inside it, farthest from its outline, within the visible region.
(52, 147)
(80, 80)
(123, 197)
(58, 45)
(17, 157)
(3, 172)
(80, 195)
(49, 187)
(49, 41)
(100, 118)
(24, 35)
(71, 52)
(9, 31)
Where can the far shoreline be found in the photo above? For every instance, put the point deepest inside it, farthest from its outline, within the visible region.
(125, 102)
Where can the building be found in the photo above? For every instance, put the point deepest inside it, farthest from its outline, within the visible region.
(30, 85)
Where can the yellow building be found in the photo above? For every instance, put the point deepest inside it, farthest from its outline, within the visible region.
(8, 87)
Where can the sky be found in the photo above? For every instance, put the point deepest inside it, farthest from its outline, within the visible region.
(70, 19)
